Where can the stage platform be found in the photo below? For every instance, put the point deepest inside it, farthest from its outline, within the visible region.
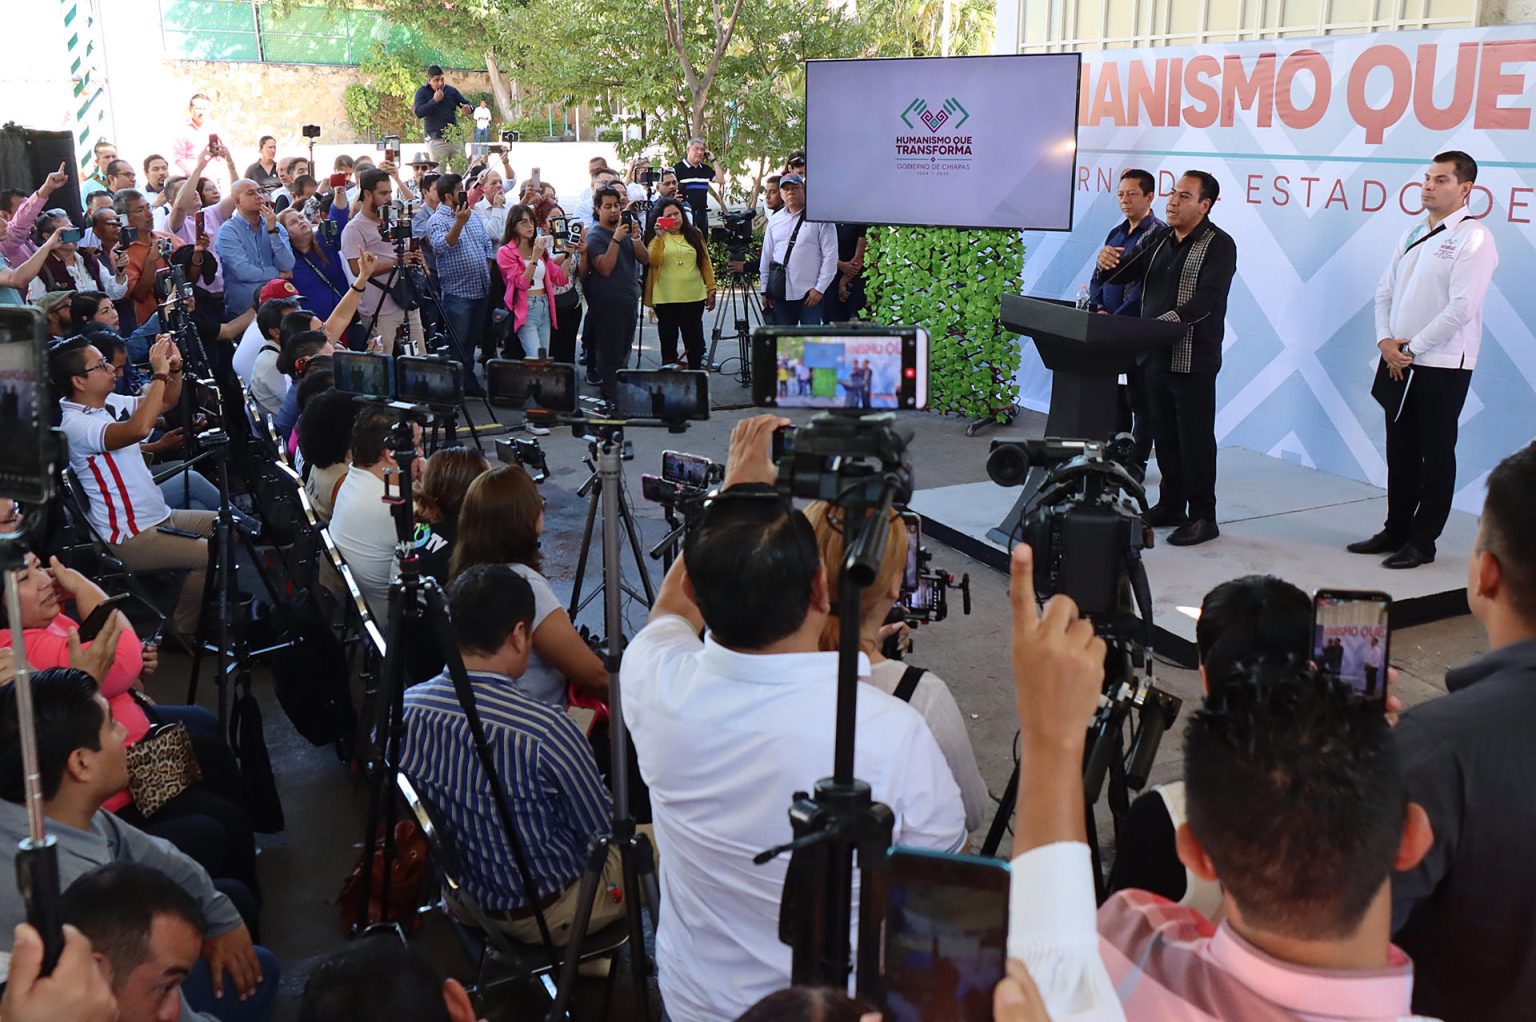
(1276, 518)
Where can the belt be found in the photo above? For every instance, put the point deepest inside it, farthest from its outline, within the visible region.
(525, 913)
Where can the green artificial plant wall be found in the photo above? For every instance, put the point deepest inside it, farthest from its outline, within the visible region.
(950, 282)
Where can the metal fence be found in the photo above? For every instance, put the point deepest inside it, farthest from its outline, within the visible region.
(246, 30)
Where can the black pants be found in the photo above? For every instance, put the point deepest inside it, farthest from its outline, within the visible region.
(684, 317)
(1184, 428)
(1134, 414)
(562, 336)
(612, 323)
(1421, 456)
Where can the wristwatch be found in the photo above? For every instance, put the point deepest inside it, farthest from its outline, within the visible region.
(164, 378)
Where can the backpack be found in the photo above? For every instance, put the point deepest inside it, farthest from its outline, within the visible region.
(311, 676)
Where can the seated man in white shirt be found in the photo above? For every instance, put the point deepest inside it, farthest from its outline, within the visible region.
(362, 525)
(124, 504)
(1296, 806)
(277, 299)
(727, 728)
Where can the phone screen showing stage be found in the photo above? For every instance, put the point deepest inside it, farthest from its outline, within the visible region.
(1350, 638)
(23, 471)
(688, 469)
(916, 592)
(672, 395)
(946, 936)
(840, 367)
(361, 372)
(429, 381)
(534, 386)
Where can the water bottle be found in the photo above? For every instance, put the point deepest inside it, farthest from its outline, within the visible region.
(1082, 297)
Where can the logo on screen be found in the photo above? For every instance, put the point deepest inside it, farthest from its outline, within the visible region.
(935, 119)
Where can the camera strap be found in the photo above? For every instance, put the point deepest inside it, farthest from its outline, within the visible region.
(908, 683)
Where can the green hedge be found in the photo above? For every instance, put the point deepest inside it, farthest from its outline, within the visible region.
(951, 282)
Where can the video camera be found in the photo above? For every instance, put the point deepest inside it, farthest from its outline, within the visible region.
(1084, 521)
(684, 482)
(735, 231)
(524, 451)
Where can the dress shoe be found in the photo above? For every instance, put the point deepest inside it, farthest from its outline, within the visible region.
(1409, 556)
(1194, 532)
(1162, 516)
(1381, 543)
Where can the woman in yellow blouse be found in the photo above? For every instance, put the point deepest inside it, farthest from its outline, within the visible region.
(680, 284)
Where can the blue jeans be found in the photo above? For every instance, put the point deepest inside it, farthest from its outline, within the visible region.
(198, 990)
(482, 134)
(795, 313)
(465, 316)
(534, 333)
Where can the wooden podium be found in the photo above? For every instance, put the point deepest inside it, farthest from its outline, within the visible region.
(1086, 353)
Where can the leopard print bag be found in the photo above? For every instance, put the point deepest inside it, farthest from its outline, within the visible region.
(161, 765)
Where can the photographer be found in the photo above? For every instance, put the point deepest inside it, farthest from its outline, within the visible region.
(928, 694)
(729, 727)
(681, 284)
(438, 104)
(531, 273)
(500, 522)
(463, 252)
(565, 300)
(1248, 620)
(381, 314)
(799, 260)
(613, 256)
(125, 505)
(361, 523)
(556, 796)
(66, 268)
(318, 274)
(1296, 807)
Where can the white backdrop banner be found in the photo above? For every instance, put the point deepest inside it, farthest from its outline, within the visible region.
(1319, 146)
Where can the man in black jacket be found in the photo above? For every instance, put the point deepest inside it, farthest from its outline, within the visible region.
(1186, 272)
(438, 104)
(1464, 913)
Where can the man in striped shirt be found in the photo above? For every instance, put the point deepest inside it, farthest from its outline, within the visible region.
(556, 795)
(1296, 806)
(123, 503)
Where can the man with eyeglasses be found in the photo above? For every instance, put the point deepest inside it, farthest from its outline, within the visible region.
(124, 504)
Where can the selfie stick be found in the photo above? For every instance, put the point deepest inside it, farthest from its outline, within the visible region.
(37, 855)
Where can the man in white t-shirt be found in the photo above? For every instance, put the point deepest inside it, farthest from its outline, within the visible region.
(276, 300)
(729, 727)
(124, 504)
(362, 525)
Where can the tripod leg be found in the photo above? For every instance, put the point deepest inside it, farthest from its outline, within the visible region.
(586, 897)
(586, 549)
(1004, 814)
(200, 637)
(634, 544)
(637, 960)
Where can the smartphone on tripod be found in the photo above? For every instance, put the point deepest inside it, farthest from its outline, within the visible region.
(851, 367)
(362, 373)
(946, 935)
(428, 379)
(668, 395)
(532, 384)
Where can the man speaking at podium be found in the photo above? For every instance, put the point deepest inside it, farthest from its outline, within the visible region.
(1185, 271)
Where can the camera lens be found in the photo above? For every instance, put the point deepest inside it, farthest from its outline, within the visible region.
(1007, 465)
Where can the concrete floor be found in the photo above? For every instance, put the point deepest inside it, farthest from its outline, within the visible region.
(303, 867)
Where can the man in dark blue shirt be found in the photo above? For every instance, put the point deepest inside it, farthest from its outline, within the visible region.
(438, 105)
(1123, 298)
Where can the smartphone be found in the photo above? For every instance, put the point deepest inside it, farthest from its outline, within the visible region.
(97, 619)
(1352, 638)
(658, 490)
(71, 236)
(945, 943)
(26, 457)
(840, 367)
(200, 222)
(364, 373)
(213, 143)
(534, 385)
(670, 395)
(127, 236)
(430, 379)
(171, 530)
(667, 223)
(917, 598)
(688, 469)
(339, 180)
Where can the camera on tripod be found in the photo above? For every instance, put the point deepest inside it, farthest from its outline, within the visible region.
(735, 231)
(524, 451)
(397, 224)
(1084, 520)
(328, 230)
(684, 482)
(311, 130)
(925, 589)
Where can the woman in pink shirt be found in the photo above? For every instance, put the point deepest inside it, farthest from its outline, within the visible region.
(530, 273)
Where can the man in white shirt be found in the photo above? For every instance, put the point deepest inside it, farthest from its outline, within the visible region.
(276, 300)
(1429, 318)
(727, 728)
(124, 504)
(361, 523)
(808, 253)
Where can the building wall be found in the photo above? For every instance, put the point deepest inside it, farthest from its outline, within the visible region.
(1037, 26)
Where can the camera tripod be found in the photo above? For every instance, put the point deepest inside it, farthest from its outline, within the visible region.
(415, 600)
(634, 848)
(602, 484)
(737, 304)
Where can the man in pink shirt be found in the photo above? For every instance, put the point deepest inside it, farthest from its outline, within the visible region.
(16, 241)
(1295, 804)
(194, 135)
